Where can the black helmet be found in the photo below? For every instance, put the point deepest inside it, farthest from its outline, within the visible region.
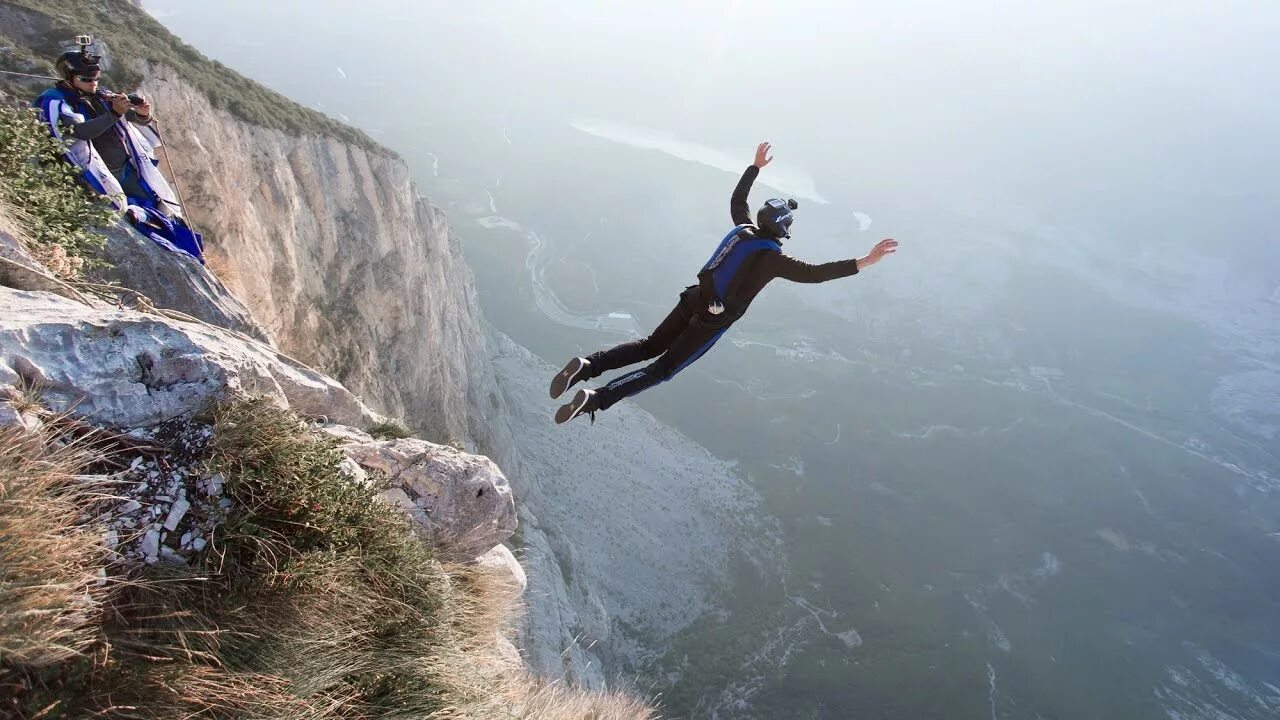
(76, 62)
(774, 217)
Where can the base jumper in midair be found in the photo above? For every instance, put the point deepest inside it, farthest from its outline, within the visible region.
(745, 261)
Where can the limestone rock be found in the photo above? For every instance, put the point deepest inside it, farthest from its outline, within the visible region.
(132, 369)
(465, 499)
(345, 434)
(502, 561)
(176, 513)
(11, 249)
(398, 497)
(26, 421)
(352, 471)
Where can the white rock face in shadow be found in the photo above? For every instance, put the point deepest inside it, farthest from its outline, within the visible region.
(171, 280)
(627, 527)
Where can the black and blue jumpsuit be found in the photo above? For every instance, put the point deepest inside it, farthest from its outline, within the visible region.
(689, 330)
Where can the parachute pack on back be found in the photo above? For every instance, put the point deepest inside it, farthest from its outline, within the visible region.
(722, 271)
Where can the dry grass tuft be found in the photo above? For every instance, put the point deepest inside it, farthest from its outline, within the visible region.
(50, 562)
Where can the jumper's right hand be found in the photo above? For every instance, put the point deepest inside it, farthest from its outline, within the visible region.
(120, 104)
(142, 109)
(762, 155)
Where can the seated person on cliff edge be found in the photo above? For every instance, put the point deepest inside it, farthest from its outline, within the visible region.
(746, 260)
(112, 138)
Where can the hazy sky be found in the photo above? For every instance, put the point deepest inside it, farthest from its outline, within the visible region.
(1151, 117)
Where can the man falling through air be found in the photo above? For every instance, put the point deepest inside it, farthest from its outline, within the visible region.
(745, 261)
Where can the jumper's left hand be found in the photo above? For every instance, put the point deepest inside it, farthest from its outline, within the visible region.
(882, 248)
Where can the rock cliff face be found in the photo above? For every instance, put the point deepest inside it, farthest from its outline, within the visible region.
(338, 257)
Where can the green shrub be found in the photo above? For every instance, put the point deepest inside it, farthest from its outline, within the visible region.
(390, 429)
(289, 488)
(46, 193)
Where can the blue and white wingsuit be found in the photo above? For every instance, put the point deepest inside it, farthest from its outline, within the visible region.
(158, 214)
